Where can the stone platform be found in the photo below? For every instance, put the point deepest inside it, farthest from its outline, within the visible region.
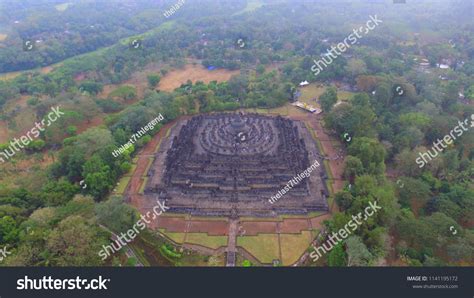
(230, 164)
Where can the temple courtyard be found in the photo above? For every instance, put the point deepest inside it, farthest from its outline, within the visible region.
(217, 173)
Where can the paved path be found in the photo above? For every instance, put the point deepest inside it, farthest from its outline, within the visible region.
(231, 242)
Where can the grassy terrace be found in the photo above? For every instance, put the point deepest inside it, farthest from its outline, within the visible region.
(202, 239)
(265, 247)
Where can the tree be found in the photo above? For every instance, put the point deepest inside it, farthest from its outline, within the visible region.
(98, 177)
(370, 152)
(460, 251)
(153, 80)
(356, 67)
(357, 252)
(405, 162)
(352, 119)
(8, 230)
(92, 140)
(353, 168)
(414, 193)
(75, 243)
(91, 87)
(116, 215)
(58, 192)
(328, 99)
(367, 83)
(36, 145)
(125, 92)
(344, 200)
(337, 256)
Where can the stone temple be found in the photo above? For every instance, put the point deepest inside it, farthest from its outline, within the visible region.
(231, 164)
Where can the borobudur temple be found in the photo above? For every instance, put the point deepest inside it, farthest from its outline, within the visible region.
(231, 164)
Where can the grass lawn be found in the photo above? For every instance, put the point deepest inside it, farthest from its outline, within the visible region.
(280, 111)
(312, 91)
(122, 185)
(264, 247)
(176, 237)
(308, 93)
(345, 95)
(282, 217)
(123, 182)
(142, 186)
(309, 215)
(203, 239)
(150, 163)
(132, 169)
(331, 199)
(293, 246)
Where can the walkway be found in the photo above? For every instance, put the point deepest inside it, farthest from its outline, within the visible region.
(231, 242)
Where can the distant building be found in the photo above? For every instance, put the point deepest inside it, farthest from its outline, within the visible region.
(307, 107)
(304, 83)
(442, 66)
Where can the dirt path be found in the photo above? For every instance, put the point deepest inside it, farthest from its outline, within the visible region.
(143, 161)
(334, 155)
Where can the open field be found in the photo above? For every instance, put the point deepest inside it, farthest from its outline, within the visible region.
(265, 247)
(203, 239)
(25, 170)
(9, 75)
(293, 246)
(176, 237)
(311, 92)
(44, 70)
(177, 77)
(314, 91)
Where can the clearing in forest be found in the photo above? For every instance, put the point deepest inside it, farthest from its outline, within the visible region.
(176, 78)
